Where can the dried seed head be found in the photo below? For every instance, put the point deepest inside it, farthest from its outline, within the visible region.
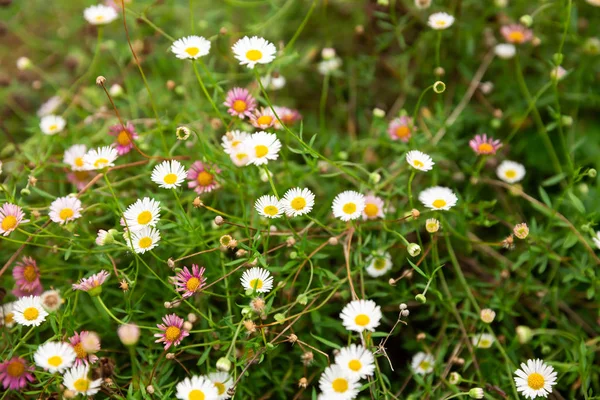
(415, 213)
(307, 358)
(250, 326)
(171, 263)
(100, 80)
(290, 241)
(150, 389)
(32, 180)
(303, 383)
(421, 336)
(124, 285)
(257, 305)
(241, 253)
(509, 242)
(170, 356)
(292, 338)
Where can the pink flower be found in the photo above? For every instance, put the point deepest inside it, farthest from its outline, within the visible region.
(241, 104)
(401, 128)
(27, 277)
(15, 373)
(173, 332)
(11, 216)
(481, 144)
(202, 177)
(125, 136)
(516, 33)
(373, 207)
(93, 284)
(287, 115)
(190, 282)
(263, 118)
(85, 345)
(80, 178)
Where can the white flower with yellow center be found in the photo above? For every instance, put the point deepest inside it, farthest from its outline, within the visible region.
(7, 315)
(269, 207)
(100, 14)
(254, 50)
(373, 207)
(190, 47)
(483, 340)
(144, 212)
(422, 363)
(144, 239)
(223, 382)
(258, 279)
(74, 157)
(297, 202)
(101, 157)
(262, 147)
(419, 160)
(438, 198)
(535, 378)
(357, 361)
(348, 205)
(169, 174)
(440, 20)
(510, 171)
(232, 140)
(337, 384)
(379, 264)
(240, 155)
(360, 315)
(55, 356)
(29, 311)
(65, 209)
(52, 124)
(196, 388)
(77, 379)
(505, 50)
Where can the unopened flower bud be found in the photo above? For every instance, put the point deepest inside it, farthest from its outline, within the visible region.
(403, 306)
(187, 326)
(439, 71)
(303, 382)
(592, 173)
(526, 20)
(454, 378)
(333, 241)
(328, 53)
(171, 84)
(413, 249)
(374, 177)
(415, 213)
(405, 313)
(223, 364)
(524, 334)
(100, 80)
(487, 315)
(422, 4)
(476, 393)
(170, 356)
(219, 220)
(378, 113)
(421, 298)
(23, 63)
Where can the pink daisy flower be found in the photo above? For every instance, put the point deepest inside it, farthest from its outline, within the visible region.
(240, 103)
(80, 178)
(516, 33)
(27, 277)
(263, 118)
(85, 344)
(15, 373)
(11, 216)
(202, 177)
(287, 115)
(173, 332)
(481, 144)
(190, 282)
(401, 128)
(373, 207)
(125, 136)
(93, 284)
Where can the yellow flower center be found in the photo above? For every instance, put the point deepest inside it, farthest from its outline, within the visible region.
(220, 388)
(485, 148)
(379, 263)
(170, 179)
(371, 210)
(192, 51)
(440, 22)
(31, 313)
(256, 283)
(29, 273)
(52, 127)
(80, 351)
(55, 361)
(241, 156)
(418, 164)
(511, 173)
(403, 131)
(145, 242)
(339, 385)
(15, 369)
(535, 381)
(261, 150)
(439, 203)
(100, 162)
(9, 222)
(271, 210)
(144, 217)
(424, 365)
(239, 106)
(264, 120)
(123, 138)
(355, 365)
(81, 384)
(79, 161)
(349, 208)
(196, 395)
(205, 178)
(484, 343)
(9, 318)
(66, 213)
(298, 203)
(172, 333)
(192, 284)
(362, 320)
(99, 18)
(516, 37)
(253, 55)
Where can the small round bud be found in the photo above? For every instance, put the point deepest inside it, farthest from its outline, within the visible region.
(405, 313)
(303, 382)
(454, 378)
(524, 334)
(413, 249)
(23, 63)
(557, 58)
(421, 336)
(487, 315)
(167, 304)
(439, 87)
(422, 4)
(592, 173)
(150, 389)
(359, 29)
(219, 220)
(182, 132)
(69, 394)
(293, 255)
(170, 356)
(290, 241)
(343, 155)
(116, 90)
(476, 393)
(374, 177)
(439, 71)
(223, 31)
(328, 53)
(567, 120)
(171, 85)
(333, 241)
(415, 213)
(526, 20)
(392, 281)
(187, 326)
(171, 263)
(378, 113)
(193, 318)
(25, 192)
(100, 80)
(403, 306)
(421, 298)
(223, 364)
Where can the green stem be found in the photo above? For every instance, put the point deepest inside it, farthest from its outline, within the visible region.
(208, 97)
(415, 112)
(410, 180)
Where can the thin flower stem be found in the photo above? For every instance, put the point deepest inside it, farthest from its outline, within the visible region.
(410, 180)
(110, 314)
(208, 97)
(416, 110)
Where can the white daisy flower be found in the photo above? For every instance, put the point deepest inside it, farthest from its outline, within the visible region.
(196, 387)
(169, 174)
(101, 157)
(52, 124)
(190, 47)
(240, 155)
(337, 384)
(348, 205)
(254, 50)
(7, 315)
(297, 202)
(74, 157)
(55, 356)
(77, 380)
(262, 147)
(357, 361)
(483, 340)
(360, 315)
(232, 140)
(438, 198)
(440, 20)
(269, 207)
(145, 239)
(505, 50)
(65, 209)
(100, 14)
(535, 378)
(223, 382)
(258, 279)
(144, 212)
(379, 264)
(273, 82)
(419, 160)
(422, 363)
(510, 171)
(29, 311)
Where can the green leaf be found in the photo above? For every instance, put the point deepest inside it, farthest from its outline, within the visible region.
(418, 269)
(326, 342)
